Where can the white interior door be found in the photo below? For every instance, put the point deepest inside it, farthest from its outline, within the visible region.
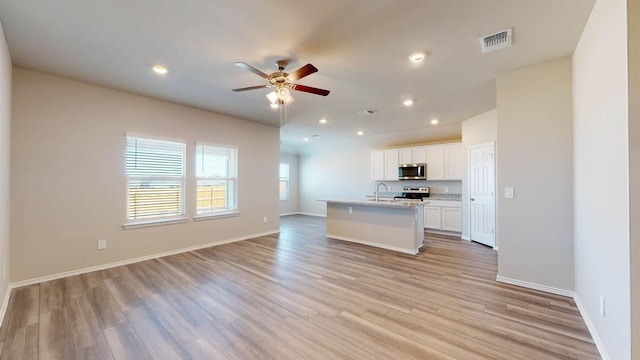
(482, 201)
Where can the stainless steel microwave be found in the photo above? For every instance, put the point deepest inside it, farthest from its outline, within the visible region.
(412, 172)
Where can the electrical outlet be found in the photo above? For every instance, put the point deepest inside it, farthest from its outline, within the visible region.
(603, 313)
(102, 244)
(264, 220)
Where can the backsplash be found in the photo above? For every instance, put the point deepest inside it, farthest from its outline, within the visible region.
(448, 190)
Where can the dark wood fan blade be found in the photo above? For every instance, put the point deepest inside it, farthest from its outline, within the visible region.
(310, 89)
(251, 88)
(302, 72)
(252, 69)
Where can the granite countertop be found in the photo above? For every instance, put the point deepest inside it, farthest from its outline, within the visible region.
(384, 202)
(432, 196)
(449, 197)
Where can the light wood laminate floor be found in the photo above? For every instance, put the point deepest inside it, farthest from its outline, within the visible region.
(296, 296)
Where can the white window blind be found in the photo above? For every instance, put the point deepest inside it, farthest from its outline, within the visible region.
(216, 174)
(284, 181)
(155, 179)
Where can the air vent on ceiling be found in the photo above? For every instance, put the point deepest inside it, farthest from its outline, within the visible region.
(367, 112)
(496, 41)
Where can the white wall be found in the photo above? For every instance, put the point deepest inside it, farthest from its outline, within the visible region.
(5, 151)
(601, 175)
(633, 23)
(534, 156)
(68, 182)
(480, 129)
(334, 175)
(290, 206)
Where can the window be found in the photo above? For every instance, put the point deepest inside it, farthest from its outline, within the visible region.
(216, 174)
(284, 181)
(155, 179)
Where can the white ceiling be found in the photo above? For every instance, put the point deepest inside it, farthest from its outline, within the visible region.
(359, 46)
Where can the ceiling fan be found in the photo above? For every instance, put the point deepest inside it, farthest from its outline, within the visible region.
(283, 81)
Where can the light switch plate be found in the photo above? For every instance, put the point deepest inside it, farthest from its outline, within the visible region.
(509, 193)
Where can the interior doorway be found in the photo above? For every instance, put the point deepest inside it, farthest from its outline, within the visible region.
(482, 198)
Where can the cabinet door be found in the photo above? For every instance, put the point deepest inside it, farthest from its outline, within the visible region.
(377, 165)
(432, 217)
(435, 162)
(405, 156)
(453, 160)
(452, 219)
(391, 164)
(419, 154)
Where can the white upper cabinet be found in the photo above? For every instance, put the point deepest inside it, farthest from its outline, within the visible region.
(405, 155)
(444, 161)
(412, 155)
(377, 165)
(391, 162)
(419, 154)
(435, 162)
(453, 160)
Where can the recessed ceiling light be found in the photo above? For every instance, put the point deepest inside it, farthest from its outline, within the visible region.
(322, 121)
(159, 69)
(306, 139)
(274, 106)
(417, 56)
(434, 121)
(360, 133)
(408, 102)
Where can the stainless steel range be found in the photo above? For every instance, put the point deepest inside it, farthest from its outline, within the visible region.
(413, 193)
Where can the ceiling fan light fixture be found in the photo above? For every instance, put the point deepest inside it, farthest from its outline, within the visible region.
(274, 106)
(273, 98)
(283, 94)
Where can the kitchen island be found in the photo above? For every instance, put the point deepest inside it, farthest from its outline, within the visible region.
(393, 225)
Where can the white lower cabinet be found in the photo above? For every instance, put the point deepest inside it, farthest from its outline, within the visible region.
(443, 215)
(432, 217)
(452, 219)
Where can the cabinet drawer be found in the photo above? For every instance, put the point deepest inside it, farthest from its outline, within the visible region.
(444, 203)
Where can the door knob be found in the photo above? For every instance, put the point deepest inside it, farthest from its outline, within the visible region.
(472, 199)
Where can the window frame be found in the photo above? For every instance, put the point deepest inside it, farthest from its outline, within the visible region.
(216, 213)
(287, 181)
(156, 220)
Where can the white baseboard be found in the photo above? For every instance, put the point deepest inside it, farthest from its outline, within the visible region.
(5, 302)
(534, 286)
(465, 238)
(382, 246)
(290, 213)
(310, 214)
(133, 260)
(592, 329)
(443, 232)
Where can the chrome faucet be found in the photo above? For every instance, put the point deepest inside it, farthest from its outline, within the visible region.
(378, 190)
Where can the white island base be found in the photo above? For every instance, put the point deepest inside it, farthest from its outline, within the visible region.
(397, 226)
